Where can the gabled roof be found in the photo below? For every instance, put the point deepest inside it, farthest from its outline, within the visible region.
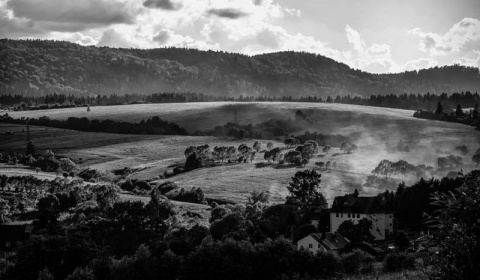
(316, 236)
(351, 203)
(335, 241)
(330, 241)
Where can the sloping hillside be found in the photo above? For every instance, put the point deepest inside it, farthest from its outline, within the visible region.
(35, 67)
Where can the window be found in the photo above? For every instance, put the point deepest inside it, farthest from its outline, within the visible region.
(337, 215)
(342, 215)
(391, 216)
(390, 224)
(358, 216)
(349, 215)
(310, 246)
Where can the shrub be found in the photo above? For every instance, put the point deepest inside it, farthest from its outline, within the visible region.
(81, 274)
(351, 262)
(395, 262)
(328, 264)
(357, 262)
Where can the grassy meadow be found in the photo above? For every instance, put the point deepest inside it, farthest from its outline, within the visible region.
(376, 131)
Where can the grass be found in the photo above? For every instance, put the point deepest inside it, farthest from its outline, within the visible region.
(375, 130)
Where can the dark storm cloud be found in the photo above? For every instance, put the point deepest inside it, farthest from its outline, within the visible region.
(88, 12)
(161, 4)
(227, 13)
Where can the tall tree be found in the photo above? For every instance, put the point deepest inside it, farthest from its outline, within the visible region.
(305, 191)
(459, 111)
(439, 110)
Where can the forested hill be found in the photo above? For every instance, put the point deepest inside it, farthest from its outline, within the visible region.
(35, 67)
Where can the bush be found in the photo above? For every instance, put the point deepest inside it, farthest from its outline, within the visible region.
(127, 186)
(351, 262)
(328, 264)
(357, 262)
(395, 262)
(143, 185)
(195, 195)
(81, 274)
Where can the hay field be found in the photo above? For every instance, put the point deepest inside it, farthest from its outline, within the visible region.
(207, 115)
(375, 130)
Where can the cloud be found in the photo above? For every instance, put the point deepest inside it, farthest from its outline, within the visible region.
(162, 4)
(168, 37)
(114, 39)
(162, 36)
(354, 38)
(420, 63)
(376, 58)
(227, 13)
(71, 11)
(454, 40)
(378, 49)
(473, 60)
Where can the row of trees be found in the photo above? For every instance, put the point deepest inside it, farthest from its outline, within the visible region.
(403, 168)
(429, 102)
(50, 101)
(154, 125)
(471, 117)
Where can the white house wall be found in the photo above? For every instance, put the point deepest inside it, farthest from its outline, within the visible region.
(309, 240)
(380, 222)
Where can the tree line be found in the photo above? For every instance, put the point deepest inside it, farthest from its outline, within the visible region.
(470, 117)
(153, 126)
(425, 102)
(276, 129)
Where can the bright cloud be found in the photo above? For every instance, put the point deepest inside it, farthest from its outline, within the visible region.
(454, 40)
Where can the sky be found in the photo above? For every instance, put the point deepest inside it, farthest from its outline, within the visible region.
(378, 36)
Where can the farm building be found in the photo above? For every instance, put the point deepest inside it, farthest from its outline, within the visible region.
(326, 242)
(354, 207)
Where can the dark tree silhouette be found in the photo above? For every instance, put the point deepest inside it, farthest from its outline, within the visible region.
(305, 191)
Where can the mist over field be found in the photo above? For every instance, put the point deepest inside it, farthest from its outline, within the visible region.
(376, 131)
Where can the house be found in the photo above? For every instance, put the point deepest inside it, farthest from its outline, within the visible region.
(11, 235)
(326, 242)
(354, 207)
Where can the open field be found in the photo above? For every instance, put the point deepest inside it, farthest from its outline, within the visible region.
(375, 130)
(207, 115)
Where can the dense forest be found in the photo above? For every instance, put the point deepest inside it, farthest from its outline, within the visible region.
(39, 67)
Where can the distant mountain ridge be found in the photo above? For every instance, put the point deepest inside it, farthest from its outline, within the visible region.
(39, 67)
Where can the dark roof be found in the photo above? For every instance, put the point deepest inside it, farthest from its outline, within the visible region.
(317, 237)
(331, 241)
(334, 241)
(351, 203)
